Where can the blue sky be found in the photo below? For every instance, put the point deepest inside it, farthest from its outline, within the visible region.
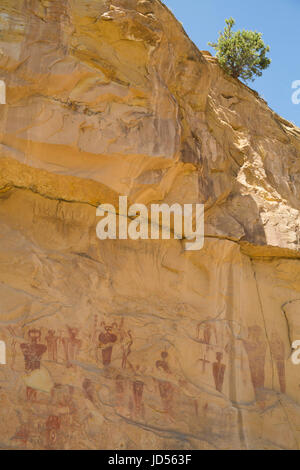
(278, 20)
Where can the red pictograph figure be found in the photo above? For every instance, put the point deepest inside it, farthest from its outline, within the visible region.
(120, 389)
(256, 348)
(106, 342)
(53, 424)
(33, 353)
(13, 353)
(207, 334)
(126, 343)
(22, 434)
(138, 388)
(219, 372)
(71, 345)
(204, 362)
(120, 385)
(162, 363)
(166, 391)
(208, 330)
(121, 397)
(52, 342)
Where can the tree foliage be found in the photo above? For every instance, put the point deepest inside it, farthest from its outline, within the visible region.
(242, 54)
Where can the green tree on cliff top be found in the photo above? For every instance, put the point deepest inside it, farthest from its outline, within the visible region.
(242, 54)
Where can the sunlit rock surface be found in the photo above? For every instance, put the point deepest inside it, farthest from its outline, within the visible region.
(140, 344)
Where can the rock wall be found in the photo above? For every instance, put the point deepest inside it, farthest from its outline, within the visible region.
(122, 344)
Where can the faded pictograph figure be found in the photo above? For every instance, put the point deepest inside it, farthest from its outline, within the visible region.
(162, 363)
(204, 361)
(205, 333)
(52, 345)
(126, 342)
(219, 372)
(22, 434)
(166, 391)
(66, 401)
(120, 386)
(166, 388)
(256, 347)
(63, 424)
(71, 345)
(13, 346)
(278, 355)
(52, 426)
(207, 337)
(33, 352)
(138, 389)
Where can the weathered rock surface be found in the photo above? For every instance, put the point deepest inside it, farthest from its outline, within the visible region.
(140, 344)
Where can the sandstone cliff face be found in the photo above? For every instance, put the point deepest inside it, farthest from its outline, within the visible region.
(140, 344)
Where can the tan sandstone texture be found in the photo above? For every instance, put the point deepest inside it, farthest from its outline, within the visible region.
(123, 344)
